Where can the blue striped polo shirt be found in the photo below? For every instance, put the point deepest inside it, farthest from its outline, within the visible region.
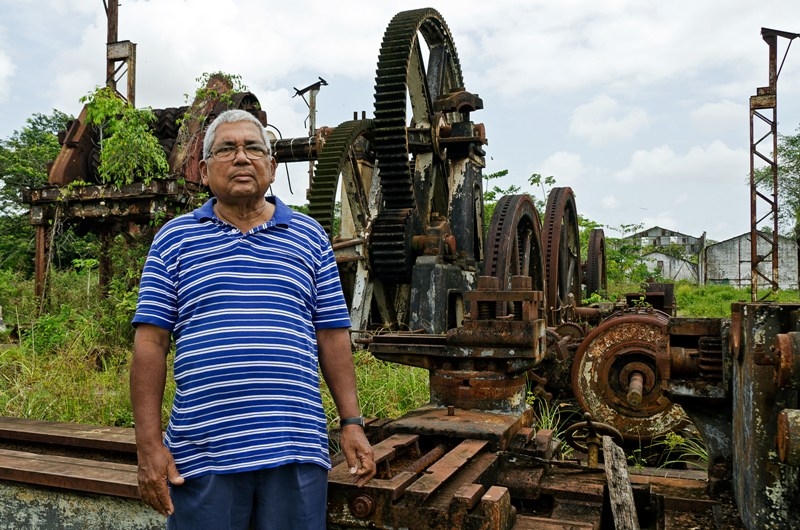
(243, 309)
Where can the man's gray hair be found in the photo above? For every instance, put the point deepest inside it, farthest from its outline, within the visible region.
(231, 116)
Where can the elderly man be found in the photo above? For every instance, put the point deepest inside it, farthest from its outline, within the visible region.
(250, 292)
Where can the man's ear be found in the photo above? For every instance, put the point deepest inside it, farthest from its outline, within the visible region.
(274, 165)
(203, 172)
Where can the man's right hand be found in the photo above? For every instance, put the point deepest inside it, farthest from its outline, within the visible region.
(156, 470)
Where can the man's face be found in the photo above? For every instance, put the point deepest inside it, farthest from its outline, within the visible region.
(241, 179)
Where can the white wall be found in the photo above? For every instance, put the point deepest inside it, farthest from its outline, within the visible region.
(729, 262)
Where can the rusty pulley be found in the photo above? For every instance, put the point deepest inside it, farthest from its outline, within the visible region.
(616, 375)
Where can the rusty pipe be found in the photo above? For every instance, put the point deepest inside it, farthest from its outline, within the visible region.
(428, 459)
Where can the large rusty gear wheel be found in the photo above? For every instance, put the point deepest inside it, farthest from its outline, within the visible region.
(409, 147)
(347, 160)
(628, 343)
(562, 245)
(514, 242)
(596, 281)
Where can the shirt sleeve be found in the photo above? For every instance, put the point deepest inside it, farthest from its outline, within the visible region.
(157, 302)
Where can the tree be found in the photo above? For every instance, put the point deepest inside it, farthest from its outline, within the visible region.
(24, 158)
(623, 257)
(788, 158)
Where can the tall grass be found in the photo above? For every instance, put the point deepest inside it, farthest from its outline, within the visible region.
(385, 390)
(714, 301)
(71, 362)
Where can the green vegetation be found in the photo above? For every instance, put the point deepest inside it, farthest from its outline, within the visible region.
(554, 415)
(385, 390)
(23, 163)
(686, 450)
(71, 363)
(788, 158)
(128, 148)
(715, 300)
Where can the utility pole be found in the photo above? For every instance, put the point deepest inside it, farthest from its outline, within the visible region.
(764, 106)
(312, 91)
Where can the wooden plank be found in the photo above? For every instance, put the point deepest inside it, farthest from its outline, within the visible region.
(107, 478)
(526, 522)
(96, 437)
(443, 469)
(387, 449)
(620, 491)
(590, 513)
(571, 484)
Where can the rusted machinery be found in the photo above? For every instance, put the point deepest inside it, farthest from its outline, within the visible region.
(493, 319)
(470, 457)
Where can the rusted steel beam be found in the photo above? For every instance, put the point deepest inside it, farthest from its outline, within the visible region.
(40, 260)
(105, 268)
(93, 192)
(497, 429)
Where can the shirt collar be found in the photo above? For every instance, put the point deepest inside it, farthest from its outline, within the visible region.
(282, 216)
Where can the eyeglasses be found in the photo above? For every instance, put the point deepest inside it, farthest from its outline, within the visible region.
(226, 153)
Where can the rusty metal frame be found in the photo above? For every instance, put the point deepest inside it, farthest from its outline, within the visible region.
(764, 103)
(123, 52)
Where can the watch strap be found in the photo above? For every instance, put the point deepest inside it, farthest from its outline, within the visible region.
(359, 420)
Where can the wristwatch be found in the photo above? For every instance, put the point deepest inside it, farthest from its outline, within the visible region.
(359, 420)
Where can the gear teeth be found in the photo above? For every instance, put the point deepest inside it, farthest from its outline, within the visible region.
(325, 184)
(392, 229)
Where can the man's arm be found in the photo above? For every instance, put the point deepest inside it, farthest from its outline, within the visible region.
(148, 378)
(336, 362)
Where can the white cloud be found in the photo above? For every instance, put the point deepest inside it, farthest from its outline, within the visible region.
(715, 163)
(717, 118)
(603, 121)
(564, 166)
(7, 69)
(662, 219)
(610, 202)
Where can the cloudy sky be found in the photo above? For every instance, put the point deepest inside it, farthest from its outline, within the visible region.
(640, 106)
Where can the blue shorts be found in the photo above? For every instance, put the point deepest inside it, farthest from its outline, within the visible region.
(291, 497)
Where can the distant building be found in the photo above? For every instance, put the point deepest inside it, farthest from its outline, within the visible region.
(728, 262)
(670, 267)
(661, 237)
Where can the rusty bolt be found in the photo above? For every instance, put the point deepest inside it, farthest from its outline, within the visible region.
(789, 436)
(362, 506)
